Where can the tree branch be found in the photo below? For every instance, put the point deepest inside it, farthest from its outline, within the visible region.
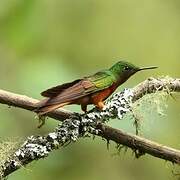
(77, 125)
(139, 145)
(24, 102)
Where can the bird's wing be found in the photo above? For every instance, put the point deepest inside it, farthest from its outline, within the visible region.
(102, 80)
(79, 88)
(54, 91)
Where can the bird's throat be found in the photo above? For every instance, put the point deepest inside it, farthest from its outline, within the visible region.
(120, 81)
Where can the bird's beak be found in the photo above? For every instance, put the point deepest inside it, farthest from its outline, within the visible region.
(145, 68)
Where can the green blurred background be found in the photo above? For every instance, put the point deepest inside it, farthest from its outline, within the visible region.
(44, 43)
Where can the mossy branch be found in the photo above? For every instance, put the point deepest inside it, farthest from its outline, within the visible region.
(77, 125)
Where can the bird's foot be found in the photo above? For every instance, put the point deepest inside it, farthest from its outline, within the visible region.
(104, 108)
(101, 106)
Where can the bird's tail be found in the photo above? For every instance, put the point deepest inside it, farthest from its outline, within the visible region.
(43, 109)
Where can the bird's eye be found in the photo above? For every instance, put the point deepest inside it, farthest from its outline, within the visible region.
(126, 68)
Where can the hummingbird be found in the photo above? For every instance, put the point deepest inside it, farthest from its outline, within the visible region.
(94, 89)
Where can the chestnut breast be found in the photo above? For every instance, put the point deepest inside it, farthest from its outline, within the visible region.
(104, 94)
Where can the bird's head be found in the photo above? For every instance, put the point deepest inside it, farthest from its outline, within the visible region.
(123, 70)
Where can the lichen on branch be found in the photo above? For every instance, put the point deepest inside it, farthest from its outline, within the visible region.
(76, 125)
